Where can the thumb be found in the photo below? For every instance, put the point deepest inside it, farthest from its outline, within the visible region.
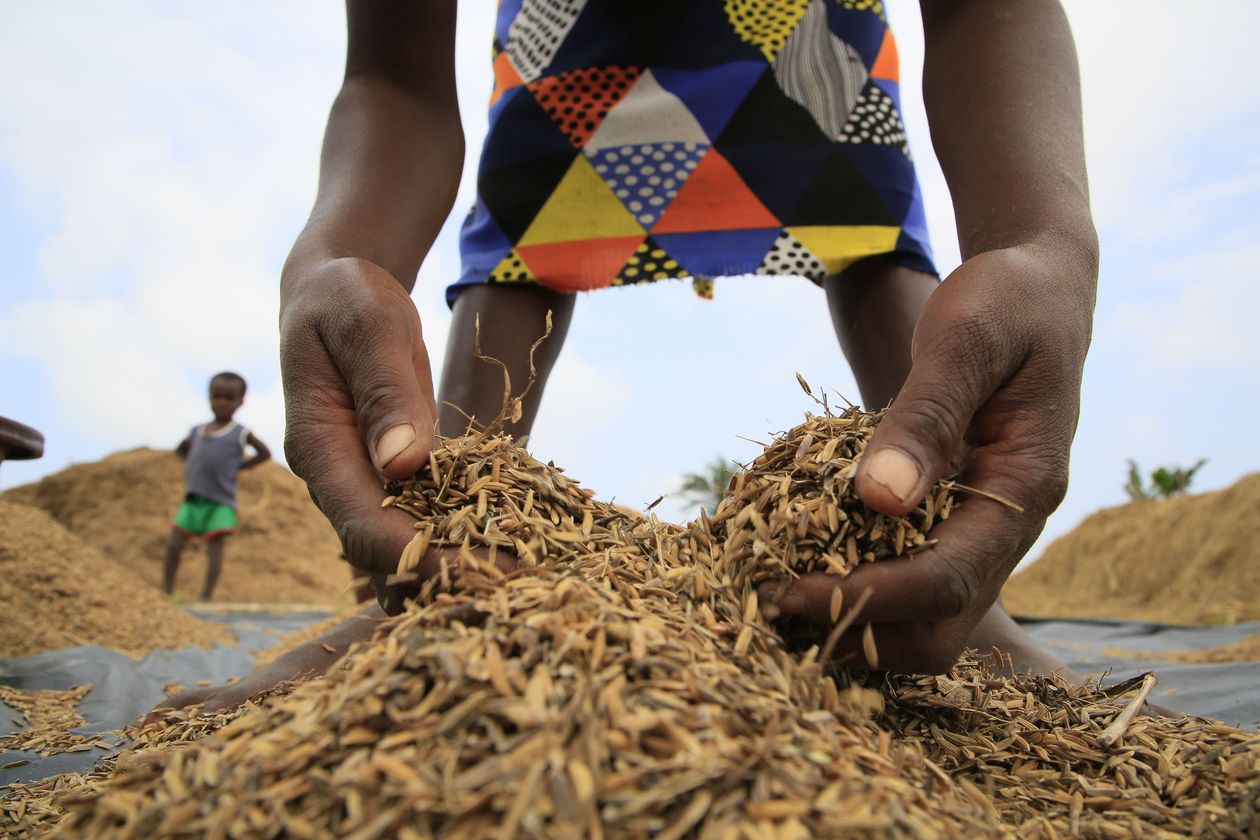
(915, 444)
(387, 372)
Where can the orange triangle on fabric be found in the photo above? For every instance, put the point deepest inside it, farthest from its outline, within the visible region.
(886, 64)
(578, 100)
(505, 77)
(714, 198)
(580, 265)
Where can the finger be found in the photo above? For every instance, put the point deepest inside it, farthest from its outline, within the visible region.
(920, 648)
(323, 447)
(960, 360)
(374, 339)
(981, 540)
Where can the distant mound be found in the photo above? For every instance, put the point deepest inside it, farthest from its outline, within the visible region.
(57, 592)
(285, 552)
(1187, 560)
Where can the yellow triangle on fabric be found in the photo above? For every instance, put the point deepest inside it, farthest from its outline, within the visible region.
(512, 269)
(765, 23)
(582, 206)
(839, 245)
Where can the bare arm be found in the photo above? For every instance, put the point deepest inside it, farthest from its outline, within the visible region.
(999, 349)
(261, 452)
(182, 449)
(358, 389)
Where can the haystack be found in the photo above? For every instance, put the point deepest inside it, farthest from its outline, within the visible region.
(285, 552)
(59, 591)
(1186, 560)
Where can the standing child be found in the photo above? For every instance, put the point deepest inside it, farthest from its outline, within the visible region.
(214, 453)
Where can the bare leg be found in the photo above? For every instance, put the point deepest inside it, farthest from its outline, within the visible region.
(512, 319)
(875, 305)
(170, 563)
(214, 566)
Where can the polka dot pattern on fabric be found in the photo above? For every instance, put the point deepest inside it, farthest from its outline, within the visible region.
(647, 177)
(874, 119)
(578, 100)
(537, 32)
(789, 256)
(765, 23)
(511, 269)
(649, 262)
(875, 7)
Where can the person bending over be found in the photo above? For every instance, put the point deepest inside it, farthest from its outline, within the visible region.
(635, 141)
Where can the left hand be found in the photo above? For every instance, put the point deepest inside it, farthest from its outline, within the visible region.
(997, 361)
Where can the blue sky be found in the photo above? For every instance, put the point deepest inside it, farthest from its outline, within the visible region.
(156, 161)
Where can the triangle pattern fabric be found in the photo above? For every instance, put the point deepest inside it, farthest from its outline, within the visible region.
(647, 177)
(768, 115)
(719, 253)
(712, 94)
(647, 114)
(649, 262)
(780, 174)
(875, 119)
(505, 77)
(581, 207)
(887, 66)
(765, 23)
(513, 195)
(789, 256)
(840, 194)
(875, 7)
(578, 100)
(838, 246)
(582, 265)
(714, 198)
(821, 73)
(537, 31)
(512, 269)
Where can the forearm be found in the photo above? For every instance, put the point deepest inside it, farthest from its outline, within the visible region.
(388, 176)
(1002, 92)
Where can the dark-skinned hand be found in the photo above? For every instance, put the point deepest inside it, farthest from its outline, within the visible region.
(359, 406)
(997, 361)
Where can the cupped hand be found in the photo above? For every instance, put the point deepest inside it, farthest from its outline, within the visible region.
(997, 360)
(359, 404)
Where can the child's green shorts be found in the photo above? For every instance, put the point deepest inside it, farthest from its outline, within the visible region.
(200, 517)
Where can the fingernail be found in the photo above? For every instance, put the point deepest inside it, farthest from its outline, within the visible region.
(393, 442)
(895, 470)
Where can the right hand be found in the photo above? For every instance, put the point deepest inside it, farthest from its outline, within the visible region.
(359, 406)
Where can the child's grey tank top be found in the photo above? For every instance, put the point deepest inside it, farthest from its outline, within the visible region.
(214, 461)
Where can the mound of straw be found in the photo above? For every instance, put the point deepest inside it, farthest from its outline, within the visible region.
(624, 682)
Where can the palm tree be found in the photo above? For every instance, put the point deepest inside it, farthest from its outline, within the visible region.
(705, 489)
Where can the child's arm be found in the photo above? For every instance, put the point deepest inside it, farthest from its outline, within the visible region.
(261, 452)
(184, 446)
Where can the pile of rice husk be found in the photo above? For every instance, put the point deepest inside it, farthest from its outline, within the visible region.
(58, 591)
(285, 551)
(624, 681)
(1243, 650)
(1185, 560)
(48, 716)
(1246, 649)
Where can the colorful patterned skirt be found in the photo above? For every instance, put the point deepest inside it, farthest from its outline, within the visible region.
(639, 140)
